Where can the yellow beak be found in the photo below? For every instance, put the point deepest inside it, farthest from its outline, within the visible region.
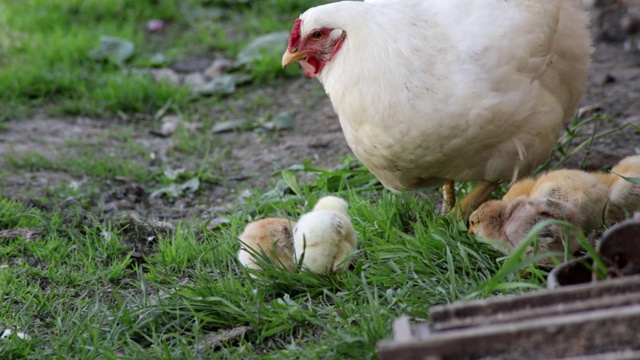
(290, 57)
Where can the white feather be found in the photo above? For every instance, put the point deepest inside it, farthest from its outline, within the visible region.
(428, 90)
(325, 236)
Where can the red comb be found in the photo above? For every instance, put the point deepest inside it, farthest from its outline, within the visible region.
(294, 39)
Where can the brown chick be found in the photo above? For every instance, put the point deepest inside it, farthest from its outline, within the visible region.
(572, 195)
(488, 219)
(510, 223)
(525, 213)
(583, 191)
(624, 196)
(273, 236)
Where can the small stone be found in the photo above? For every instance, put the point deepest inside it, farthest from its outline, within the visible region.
(169, 125)
(194, 80)
(165, 75)
(218, 68)
(155, 25)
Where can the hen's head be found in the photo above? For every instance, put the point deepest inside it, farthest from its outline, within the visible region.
(312, 45)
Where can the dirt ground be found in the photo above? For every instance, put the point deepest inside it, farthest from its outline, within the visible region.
(613, 89)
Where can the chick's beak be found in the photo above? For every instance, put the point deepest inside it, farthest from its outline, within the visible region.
(290, 57)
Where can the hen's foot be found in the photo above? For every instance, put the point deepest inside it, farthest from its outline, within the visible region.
(473, 199)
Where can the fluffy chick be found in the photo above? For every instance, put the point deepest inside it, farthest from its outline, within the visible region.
(581, 190)
(572, 195)
(325, 236)
(525, 213)
(511, 222)
(624, 196)
(520, 188)
(273, 236)
(487, 221)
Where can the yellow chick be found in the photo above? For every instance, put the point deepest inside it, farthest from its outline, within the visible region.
(520, 188)
(325, 236)
(624, 196)
(273, 236)
(581, 190)
(605, 178)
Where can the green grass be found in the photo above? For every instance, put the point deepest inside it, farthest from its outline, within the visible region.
(45, 57)
(45, 46)
(81, 291)
(93, 286)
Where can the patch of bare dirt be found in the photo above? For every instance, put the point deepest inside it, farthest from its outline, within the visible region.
(316, 134)
(253, 156)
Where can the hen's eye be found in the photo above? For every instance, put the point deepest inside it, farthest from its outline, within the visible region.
(317, 35)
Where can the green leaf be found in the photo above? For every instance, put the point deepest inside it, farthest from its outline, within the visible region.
(633, 180)
(191, 185)
(224, 85)
(113, 49)
(270, 45)
(282, 121)
(291, 180)
(231, 125)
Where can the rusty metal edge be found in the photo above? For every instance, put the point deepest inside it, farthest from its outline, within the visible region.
(617, 355)
(553, 309)
(485, 307)
(502, 337)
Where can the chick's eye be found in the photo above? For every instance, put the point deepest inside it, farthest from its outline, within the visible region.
(318, 35)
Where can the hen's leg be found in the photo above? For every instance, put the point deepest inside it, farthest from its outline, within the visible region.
(476, 197)
(449, 196)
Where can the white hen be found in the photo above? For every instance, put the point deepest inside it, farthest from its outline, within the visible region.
(430, 91)
(325, 236)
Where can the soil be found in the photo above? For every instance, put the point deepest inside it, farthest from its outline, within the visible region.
(613, 89)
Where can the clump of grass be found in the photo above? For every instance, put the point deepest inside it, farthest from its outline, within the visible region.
(191, 286)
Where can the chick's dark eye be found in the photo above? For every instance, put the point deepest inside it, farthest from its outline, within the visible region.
(317, 35)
